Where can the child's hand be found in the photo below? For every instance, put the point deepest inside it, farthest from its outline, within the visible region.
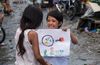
(48, 63)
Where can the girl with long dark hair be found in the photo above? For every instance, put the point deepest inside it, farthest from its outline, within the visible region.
(26, 38)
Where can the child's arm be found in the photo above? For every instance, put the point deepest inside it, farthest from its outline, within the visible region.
(33, 37)
(73, 38)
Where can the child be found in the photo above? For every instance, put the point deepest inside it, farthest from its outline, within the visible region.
(54, 21)
(26, 38)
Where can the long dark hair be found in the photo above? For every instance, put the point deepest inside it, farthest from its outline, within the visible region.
(31, 19)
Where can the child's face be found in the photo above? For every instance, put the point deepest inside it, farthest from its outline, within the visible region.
(52, 23)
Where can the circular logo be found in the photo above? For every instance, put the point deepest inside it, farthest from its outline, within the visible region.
(47, 40)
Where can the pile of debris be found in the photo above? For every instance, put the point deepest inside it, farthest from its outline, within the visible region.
(90, 21)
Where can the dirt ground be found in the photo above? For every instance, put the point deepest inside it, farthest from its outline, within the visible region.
(87, 51)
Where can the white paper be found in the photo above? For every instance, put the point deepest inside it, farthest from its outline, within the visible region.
(54, 42)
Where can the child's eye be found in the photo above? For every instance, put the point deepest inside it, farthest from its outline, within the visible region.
(53, 21)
